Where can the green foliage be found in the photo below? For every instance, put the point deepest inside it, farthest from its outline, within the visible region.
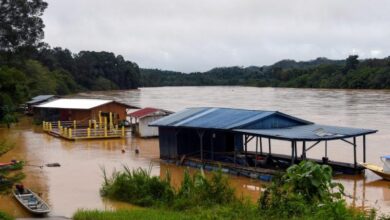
(200, 191)
(307, 190)
(5, 216)
(140, 188)
(319, 73)
(137, 187)
(20, 23)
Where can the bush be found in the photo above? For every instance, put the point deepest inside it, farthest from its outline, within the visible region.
(200, 191)
(140, 188)
(306, 190)
(137, 187)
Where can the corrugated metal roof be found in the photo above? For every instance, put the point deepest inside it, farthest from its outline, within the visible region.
(40, 98)
(74, 103)
(147, 111)
(217, 118)
(313, 132)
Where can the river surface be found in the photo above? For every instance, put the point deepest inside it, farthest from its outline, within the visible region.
(75, 185)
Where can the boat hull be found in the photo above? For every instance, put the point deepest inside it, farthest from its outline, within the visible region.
(32, 202)
(377, 170)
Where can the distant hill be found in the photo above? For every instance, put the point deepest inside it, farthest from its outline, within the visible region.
(317, 73)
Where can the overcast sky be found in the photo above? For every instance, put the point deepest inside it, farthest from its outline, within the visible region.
(197, 35)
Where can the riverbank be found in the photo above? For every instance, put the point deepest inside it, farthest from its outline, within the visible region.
(305, 191)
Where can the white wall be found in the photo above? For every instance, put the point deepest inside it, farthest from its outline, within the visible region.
(146, 131)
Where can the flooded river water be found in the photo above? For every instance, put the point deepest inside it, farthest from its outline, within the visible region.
(75, 185)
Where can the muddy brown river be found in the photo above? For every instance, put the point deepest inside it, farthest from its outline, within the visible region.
(75, 185)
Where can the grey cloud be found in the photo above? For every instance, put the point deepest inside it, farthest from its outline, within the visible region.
(198, 35)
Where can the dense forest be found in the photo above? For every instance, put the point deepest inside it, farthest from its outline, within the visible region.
(319, 73)
(30, 67)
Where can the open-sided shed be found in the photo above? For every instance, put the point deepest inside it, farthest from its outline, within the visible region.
(210, 132)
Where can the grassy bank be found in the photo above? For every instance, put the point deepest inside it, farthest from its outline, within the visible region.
(305, 191)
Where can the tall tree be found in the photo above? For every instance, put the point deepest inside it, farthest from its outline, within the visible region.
(21, 24)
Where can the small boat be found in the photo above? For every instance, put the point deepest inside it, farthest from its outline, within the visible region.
(31, 201)
(377, 170)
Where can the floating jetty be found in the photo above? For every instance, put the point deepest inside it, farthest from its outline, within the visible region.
(212, 136)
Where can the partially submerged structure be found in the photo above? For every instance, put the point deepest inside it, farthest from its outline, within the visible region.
(66, 109)
(37, 100)
(75, 119)
(222, 135)
(143, 117)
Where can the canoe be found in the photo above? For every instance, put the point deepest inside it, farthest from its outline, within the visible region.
(32, 202)
(377, 170)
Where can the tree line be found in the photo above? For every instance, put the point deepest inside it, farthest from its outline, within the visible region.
(350, 73)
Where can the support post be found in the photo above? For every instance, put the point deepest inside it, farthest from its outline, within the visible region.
(326, 148)
(212, 145)
(364, 148)
(74, 124)
(304, 150)
(123, 131)
(257, 145)
(70, 132)
(100, 119)
(261, 146)
(269, 146)
(246, 145)
(354, 153)
(292, 152)
(50, 126)
(200, 134)
(44, 125)
(105, 130)
(88, 132)
(89, 123)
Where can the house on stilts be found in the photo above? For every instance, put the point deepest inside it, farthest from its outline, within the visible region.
(220, 136)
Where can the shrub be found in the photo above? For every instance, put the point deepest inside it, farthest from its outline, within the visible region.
(307, 190)
(138, 187)
(200, 191)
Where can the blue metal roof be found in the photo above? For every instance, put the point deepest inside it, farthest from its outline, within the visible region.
(225, 118)
(313, 132)
(40, 98)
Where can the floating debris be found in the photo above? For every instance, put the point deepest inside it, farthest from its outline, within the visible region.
(53, 165)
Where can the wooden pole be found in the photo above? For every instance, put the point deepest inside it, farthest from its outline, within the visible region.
(123, 131)
(304, 150)
(88, 132)
(74, 124)
(100, 119)
(50, 126)
(70, 132)
(105, 130)
(43, 125)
